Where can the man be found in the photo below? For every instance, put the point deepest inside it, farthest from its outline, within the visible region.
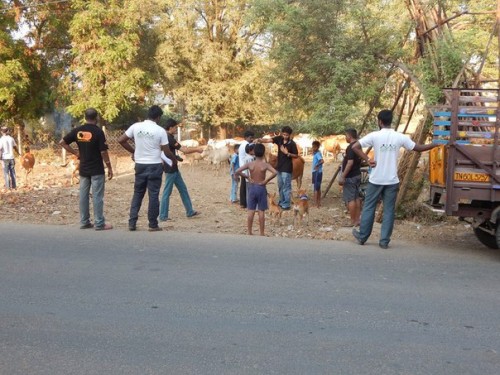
(383, 181)
(245, 158)
(92, 151)
(287, 150)
(7, 147)
(350, 178)
(150, 140)
(173, 175)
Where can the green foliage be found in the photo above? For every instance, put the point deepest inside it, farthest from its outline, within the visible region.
(318, 65)
(107, 69)
(326, 66)
(23, 76)
(208, 62)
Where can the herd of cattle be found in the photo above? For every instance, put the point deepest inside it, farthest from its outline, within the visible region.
(218, 153)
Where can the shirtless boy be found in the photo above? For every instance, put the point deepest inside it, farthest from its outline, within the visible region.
(257, 192)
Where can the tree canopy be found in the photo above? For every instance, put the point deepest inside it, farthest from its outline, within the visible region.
(319, 65)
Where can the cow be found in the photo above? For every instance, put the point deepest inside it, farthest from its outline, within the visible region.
(304, 141)
(191, 159)
(333, 144)
(298, 167)
(216, 156)
(190, 143)
(216, 144)
(27, 162)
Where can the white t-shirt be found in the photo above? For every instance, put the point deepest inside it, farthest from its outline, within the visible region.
(7, 144)
(386, 144)
(148, 137)
(243, 157)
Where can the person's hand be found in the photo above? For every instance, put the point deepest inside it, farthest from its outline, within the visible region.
(110, 174)
(283, 149)
(372, 163)
(341, 180)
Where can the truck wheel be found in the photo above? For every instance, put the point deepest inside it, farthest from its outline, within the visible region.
(492, 241)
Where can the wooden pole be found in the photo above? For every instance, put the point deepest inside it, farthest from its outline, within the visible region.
(332, 180)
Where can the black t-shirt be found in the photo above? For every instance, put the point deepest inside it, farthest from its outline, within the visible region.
(91, 141)
(174, 146)
(285, 163)
(351, 155)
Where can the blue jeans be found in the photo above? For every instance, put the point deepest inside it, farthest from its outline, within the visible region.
(97, 183)
(147, 177)
(234, 188)
(388, 193)
(172, 179)
(9, 173)
(285, 188)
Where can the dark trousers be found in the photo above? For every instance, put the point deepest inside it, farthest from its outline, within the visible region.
(147, 177)
(243, 193)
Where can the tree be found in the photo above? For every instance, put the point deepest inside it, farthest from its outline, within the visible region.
(24, 77)
(209, 63)
(325, 57)
(107, 70)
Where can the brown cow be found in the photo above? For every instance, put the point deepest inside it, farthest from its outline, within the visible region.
(27, 162)
(333, 144)
(298, 167)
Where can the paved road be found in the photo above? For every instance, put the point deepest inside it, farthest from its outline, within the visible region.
(82, 302)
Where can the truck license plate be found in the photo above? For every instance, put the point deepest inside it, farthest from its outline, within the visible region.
(472, 177)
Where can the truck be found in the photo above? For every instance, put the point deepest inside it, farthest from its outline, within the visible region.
(464, 171)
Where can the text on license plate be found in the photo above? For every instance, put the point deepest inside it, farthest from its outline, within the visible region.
(472, 177)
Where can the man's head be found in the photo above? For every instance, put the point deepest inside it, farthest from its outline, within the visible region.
(249, 136)
(91, 115)
(385, 118)
(315, 146)
(155, 113)
(259, 150)
(351, 135)
(171, 125)
(236, 147)
(286, 132)
(249, 148)
(5, 130)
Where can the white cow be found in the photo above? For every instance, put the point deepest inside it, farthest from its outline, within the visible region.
(189, 143)
(217, 157)
(216, 144)
(304, 141)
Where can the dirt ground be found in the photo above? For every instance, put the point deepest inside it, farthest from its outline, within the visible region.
(49, 198)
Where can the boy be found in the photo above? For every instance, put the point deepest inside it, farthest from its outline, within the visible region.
(317, 172)
(257, 193)
(350, 178)
(235, 164)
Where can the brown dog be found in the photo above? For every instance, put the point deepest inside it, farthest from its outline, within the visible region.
(300, 207)
(275, 210)
(74, 165)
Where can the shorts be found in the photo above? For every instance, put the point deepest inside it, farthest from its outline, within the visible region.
(257, 198)
(317, 177)
(351, 188)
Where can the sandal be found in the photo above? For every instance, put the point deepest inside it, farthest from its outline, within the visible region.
(104, 227)
(196, 213)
